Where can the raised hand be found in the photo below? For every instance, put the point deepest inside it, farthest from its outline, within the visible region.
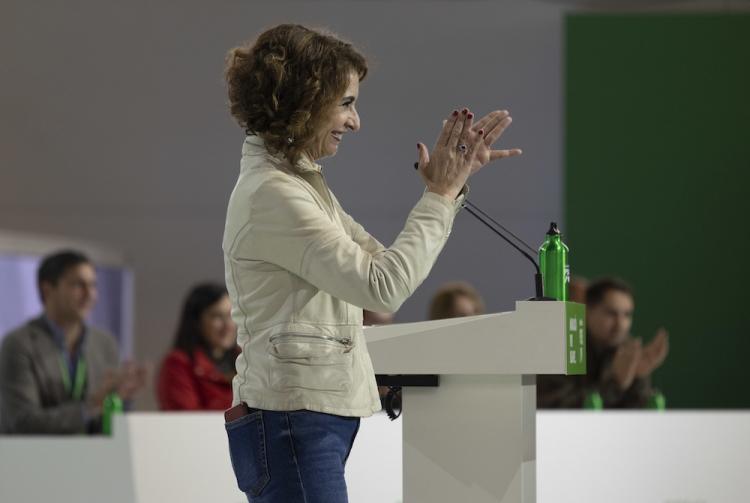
(446, 169)
(132, 378)
(126, 382)
(492, 125)
(96, 397)
(654, 354)
(626, 361)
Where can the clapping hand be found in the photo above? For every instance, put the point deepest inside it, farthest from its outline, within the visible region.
(126, 381)
(461, 150)
(626, 361)
(632, 359)
(493, 125)
(653, 354)
(132, 378)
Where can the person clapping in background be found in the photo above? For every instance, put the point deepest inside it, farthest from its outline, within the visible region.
(619, 366)
(56, 370)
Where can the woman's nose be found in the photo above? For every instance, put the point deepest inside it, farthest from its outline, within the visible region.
(352, 123)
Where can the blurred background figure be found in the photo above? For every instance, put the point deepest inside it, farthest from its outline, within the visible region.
(577, 289)
(618, 365)
(455, 299)
(56, 370)
(197, 374)
(370, 318)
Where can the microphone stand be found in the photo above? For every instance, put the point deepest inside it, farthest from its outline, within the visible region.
(483, 217)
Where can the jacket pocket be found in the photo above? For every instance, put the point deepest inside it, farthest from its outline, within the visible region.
(247, 449)
(315, 362)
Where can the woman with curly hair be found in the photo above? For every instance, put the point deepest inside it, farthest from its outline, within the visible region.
(299, 269)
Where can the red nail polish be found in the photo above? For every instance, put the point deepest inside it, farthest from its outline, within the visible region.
(470, 116)
(481, 132)
(464, 111)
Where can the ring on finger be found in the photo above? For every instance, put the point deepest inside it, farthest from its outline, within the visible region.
(462, 148)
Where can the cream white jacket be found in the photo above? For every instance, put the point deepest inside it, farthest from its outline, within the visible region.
(299, 270)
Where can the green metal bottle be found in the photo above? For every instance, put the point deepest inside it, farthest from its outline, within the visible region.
(593, 401)
(553, 262)
(112, 405)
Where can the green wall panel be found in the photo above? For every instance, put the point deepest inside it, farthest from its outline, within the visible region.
(657, 185)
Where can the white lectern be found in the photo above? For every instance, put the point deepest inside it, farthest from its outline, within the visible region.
(472, 438)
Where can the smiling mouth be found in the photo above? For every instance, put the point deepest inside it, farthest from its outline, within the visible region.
(337, 136)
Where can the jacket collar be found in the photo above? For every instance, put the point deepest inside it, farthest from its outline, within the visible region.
(255, 146)
(57, 333)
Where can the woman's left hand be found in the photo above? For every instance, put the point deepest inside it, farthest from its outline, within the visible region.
(492, 125)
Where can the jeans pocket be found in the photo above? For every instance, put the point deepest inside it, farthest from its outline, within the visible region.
(247, 449)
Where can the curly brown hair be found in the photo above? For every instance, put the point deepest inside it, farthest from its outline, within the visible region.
(282, 86)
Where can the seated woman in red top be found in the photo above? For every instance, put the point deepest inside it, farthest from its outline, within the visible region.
(197, 374)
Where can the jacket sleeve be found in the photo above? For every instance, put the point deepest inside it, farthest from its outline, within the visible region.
(20, 401)
(360, 236)
(288, 228)
(177, 387)
(358, 233)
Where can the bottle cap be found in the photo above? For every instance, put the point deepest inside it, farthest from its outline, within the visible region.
(553, 230)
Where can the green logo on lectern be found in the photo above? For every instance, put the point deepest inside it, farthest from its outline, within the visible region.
(575, 335)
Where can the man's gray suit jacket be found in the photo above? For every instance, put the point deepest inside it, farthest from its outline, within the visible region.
(33, 398)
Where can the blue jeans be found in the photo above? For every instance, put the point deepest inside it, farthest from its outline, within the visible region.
(291, 457)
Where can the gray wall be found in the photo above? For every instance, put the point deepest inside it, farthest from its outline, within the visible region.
(114, 128)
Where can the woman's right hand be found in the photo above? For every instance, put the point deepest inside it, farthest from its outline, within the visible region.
(446, 169)
(461, 151)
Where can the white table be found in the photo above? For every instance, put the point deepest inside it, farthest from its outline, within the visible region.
(613, 457)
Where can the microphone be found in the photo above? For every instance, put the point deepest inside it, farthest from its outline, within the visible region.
(483, 217)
